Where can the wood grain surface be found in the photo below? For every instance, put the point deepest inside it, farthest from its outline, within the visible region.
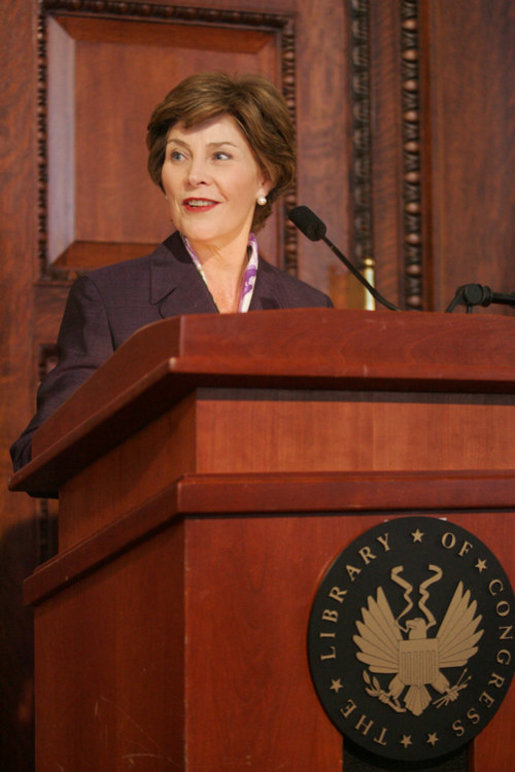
(231, 663)
(464, 155)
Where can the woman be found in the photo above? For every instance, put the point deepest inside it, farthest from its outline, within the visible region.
(222, 151)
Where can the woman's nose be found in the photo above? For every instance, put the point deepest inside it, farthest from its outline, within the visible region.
(198, 173)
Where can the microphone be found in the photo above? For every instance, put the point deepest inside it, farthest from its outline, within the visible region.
(313, 227)
(478, 295)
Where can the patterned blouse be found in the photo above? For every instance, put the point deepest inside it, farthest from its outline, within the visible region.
(249, 277)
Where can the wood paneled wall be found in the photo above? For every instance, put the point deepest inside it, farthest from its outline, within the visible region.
(468, 71)
(404, 147)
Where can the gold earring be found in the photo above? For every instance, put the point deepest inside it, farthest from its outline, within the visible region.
(261, 200)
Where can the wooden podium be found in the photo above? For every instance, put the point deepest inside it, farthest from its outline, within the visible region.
(208, 474)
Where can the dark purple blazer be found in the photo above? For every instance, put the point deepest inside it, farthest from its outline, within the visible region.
(106, 306)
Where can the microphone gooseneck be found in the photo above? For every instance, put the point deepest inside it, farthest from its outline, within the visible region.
(313, 227)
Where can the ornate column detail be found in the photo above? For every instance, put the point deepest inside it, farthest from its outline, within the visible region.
(42, 100)
(361, 184)
(288, 65)
(411, 164)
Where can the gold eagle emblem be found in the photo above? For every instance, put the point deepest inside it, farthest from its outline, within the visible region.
(416, 661)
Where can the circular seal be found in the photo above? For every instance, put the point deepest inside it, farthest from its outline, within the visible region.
(410, 638)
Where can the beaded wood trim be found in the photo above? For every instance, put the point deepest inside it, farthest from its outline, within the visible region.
(411, 158)
(361, 182)
(279, 24)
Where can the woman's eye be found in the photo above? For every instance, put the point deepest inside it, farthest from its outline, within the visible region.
(221, 155)
(176, 155)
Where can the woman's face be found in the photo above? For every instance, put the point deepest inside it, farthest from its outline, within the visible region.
(212, 180)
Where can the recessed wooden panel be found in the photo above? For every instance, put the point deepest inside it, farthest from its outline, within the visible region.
(470, 63)
(167, 35)
(104, 690)
(359, 432)
(105, 78)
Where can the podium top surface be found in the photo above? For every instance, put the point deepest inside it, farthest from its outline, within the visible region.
(291, 349)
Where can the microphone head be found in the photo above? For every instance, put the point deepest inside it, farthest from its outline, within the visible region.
(307, 222)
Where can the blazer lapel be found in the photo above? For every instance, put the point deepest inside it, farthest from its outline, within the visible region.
(266, 295)
(176, 286)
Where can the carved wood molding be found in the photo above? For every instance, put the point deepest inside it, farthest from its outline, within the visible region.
(361, 174)
(411, 159)
(281, 25)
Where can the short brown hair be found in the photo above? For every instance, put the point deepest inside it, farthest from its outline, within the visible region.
(259, 111)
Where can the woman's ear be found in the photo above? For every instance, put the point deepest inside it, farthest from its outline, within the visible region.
(266, 186)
